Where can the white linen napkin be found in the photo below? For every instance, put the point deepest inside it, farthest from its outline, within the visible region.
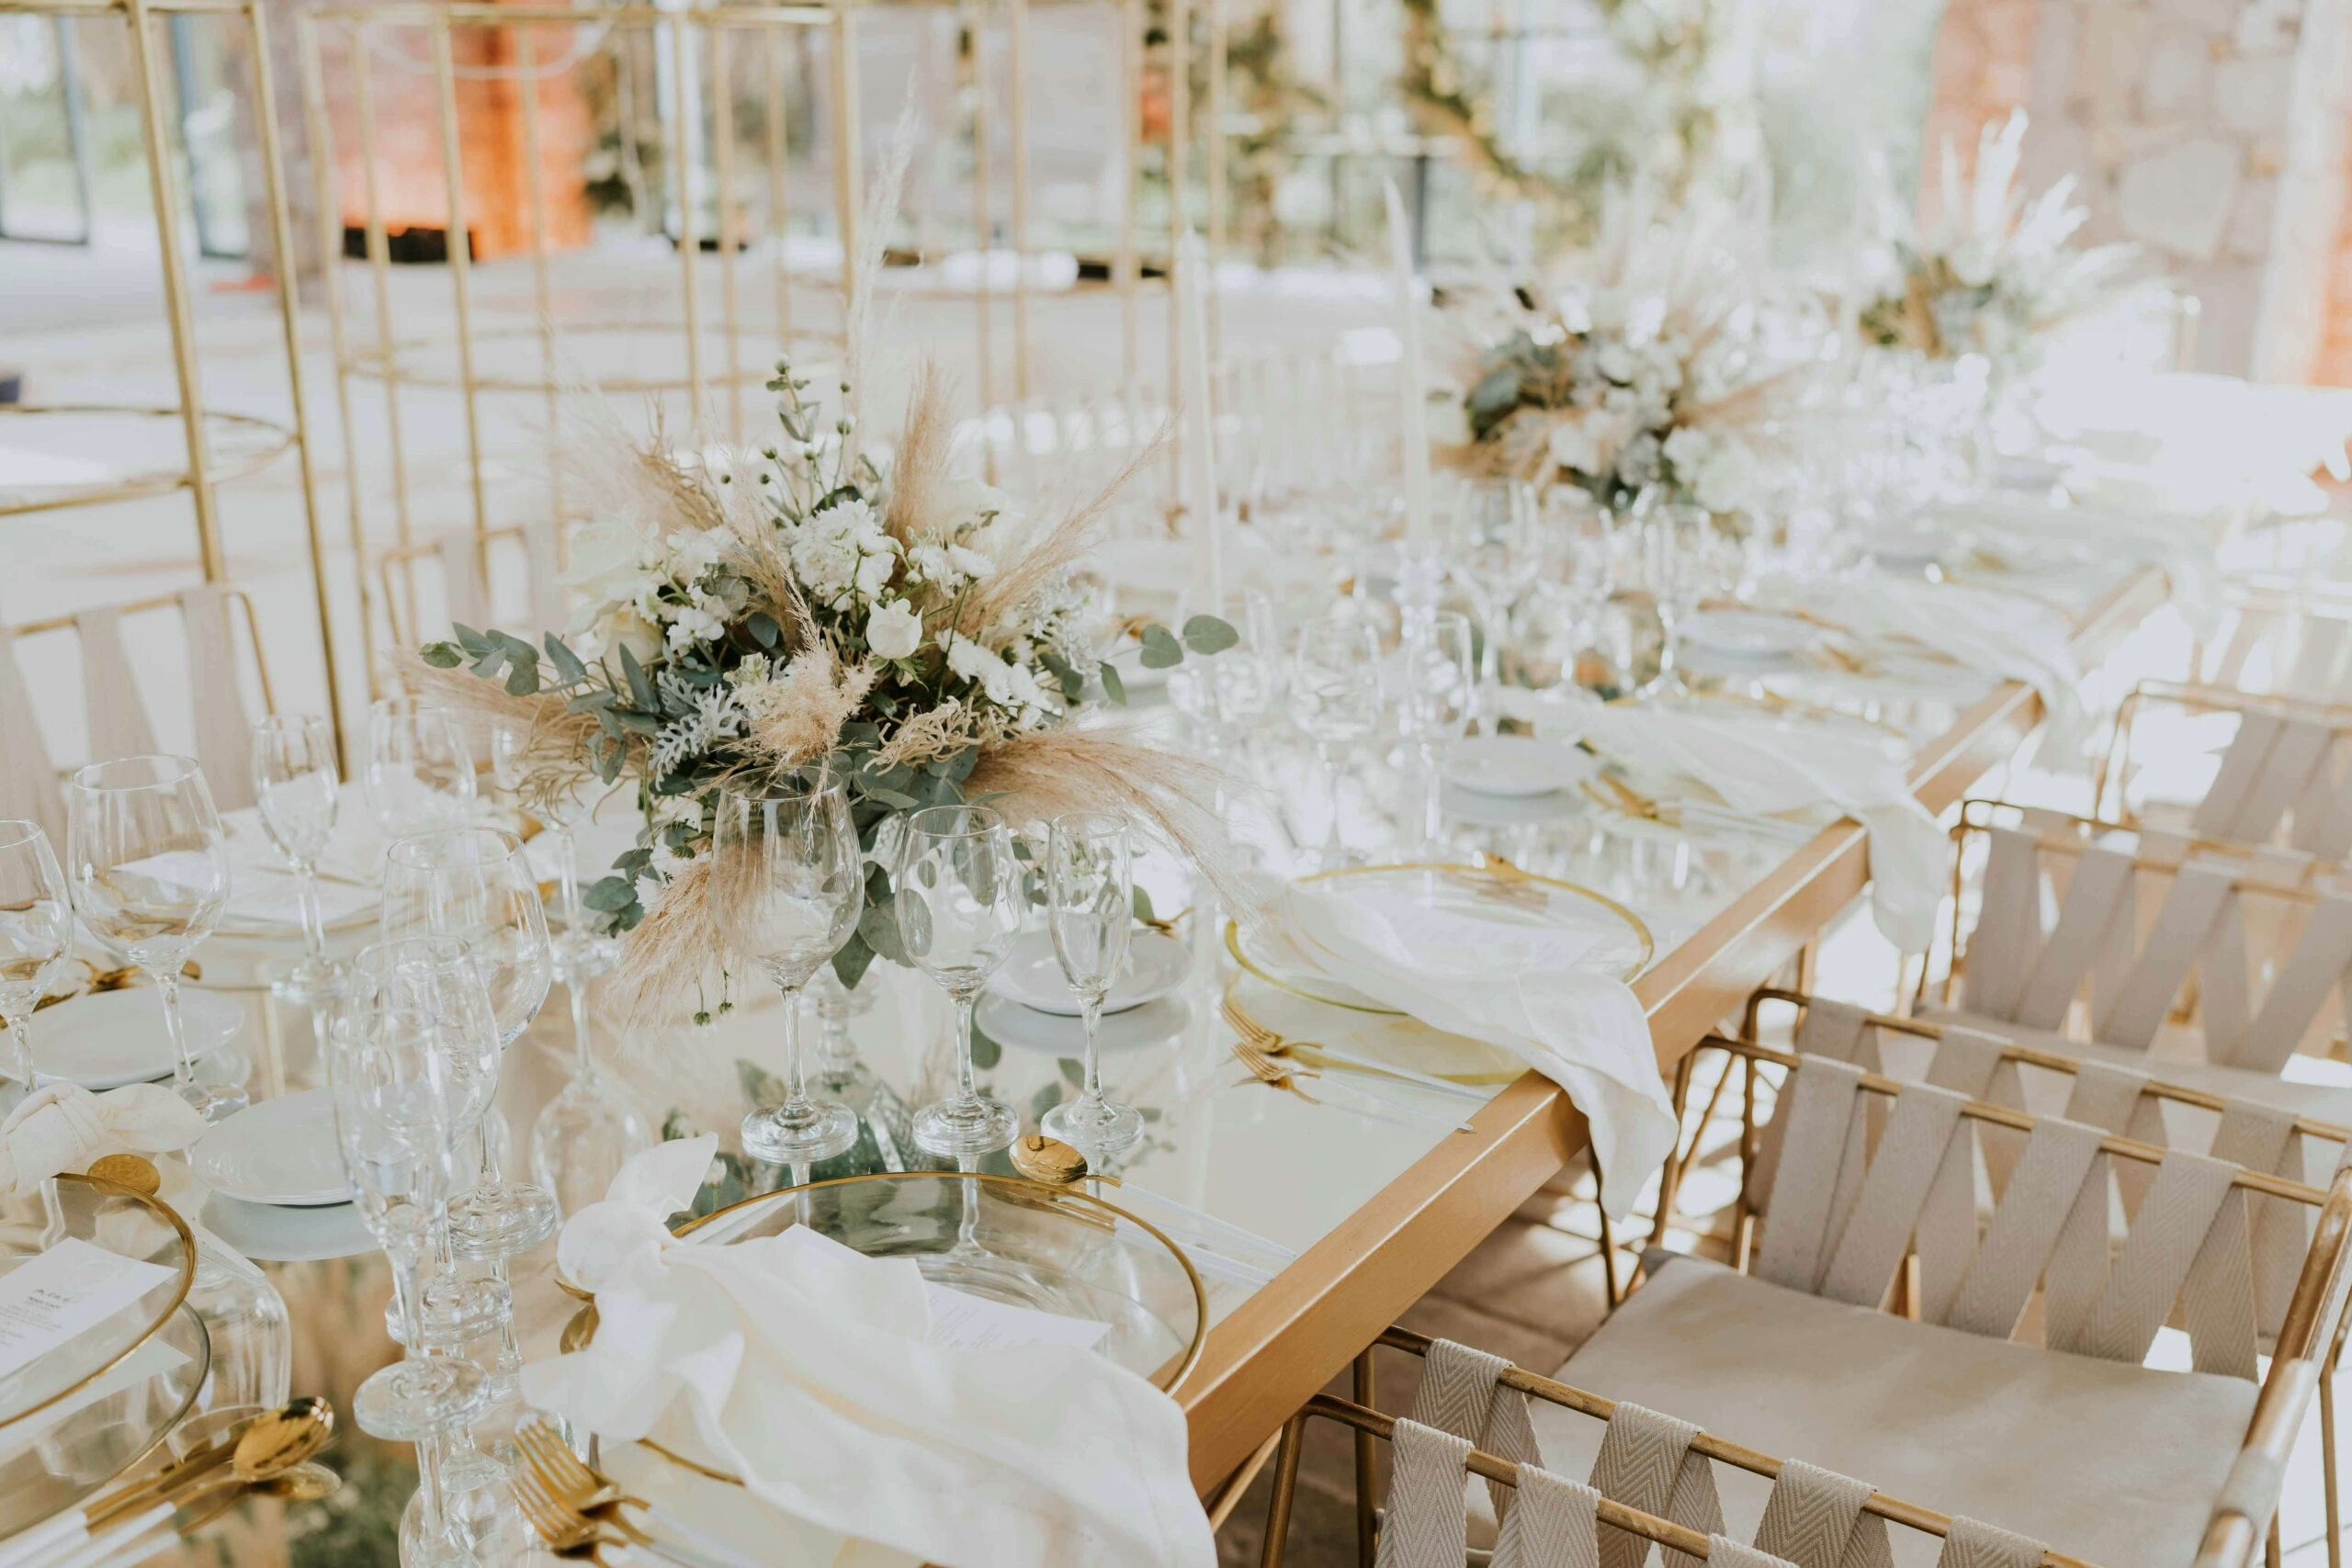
(2004, 635)
(1762, 763)
(805, 1371)
(1534, 991)
(62, 1127)
(2179, 544)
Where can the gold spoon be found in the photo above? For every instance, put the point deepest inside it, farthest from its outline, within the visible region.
(303, 1484)
(273, 1443)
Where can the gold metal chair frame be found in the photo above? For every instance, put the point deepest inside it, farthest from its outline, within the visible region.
(404, 624)
(2310, 1340)
(165, 178)
(2116, 761)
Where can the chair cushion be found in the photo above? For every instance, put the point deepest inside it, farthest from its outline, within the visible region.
(2310, 1085)
(2113, 1463)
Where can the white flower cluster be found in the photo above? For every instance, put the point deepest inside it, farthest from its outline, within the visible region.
(1622, 431)
(843, 552)
(646, 592)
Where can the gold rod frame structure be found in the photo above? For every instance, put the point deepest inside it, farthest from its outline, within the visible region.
(361, 29)
(2197, 698)
(165, 190)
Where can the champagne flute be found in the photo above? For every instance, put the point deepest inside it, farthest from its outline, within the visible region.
(35, 931)
(786, 884)
(1437, 699)
(296, 785)
(957, 892)
(1677, 546)
(1335, 698)
(148, 863)
(420, 774)
(474, 883)
(1090, 910)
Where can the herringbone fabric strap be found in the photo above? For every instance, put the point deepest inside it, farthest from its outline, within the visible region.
(1839, 1030)
(1462, 1391)
(2099, 894)
(2114, 1100)
(2134, 1011)
(2241, 766)
(118, 722)
(1969, 1060)
(2322, 957)
(1878, 1230)
(549, 602)
(2118, 1320)
(2062, 1162)
(1427, 1524)
(217, 697)
(2217, 1304)
(1817, 1106)
(1551, 1525)
(464, 592)
(2260, 1137)
(2008, 924)
(1646, 1462)
(1972, 1543)
(1815, 1519)
(1724, 1552)
(27, 778)
(2222, 990)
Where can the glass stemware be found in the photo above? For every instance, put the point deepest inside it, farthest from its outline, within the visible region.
(1437, 701)
(1496, 551)
(420, 774)
(149, 868)
(786, 884)
(475, 884)
(1090, 910)
(1335, 698)
(1224, 693)
(400, 1102)
(1678, 549)
(957, 893)
(297, 782)
(35, 931)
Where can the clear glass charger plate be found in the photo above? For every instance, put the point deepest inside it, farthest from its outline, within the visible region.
(1059, 1250)
(1503, 894)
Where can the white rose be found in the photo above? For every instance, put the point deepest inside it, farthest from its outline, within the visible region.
(964, 499)
(893, 630)
(606, 559)
(874, 574)
(626, 628)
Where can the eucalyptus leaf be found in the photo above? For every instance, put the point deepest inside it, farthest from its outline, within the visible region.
(1161, 649)
(442, 655)
(852, 961)
(1113, 687)
(569, 668)
(1207, 634)
(609, 894)
(641, 685)
(523, 678)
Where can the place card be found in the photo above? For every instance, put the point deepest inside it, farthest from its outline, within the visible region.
(69, 1290)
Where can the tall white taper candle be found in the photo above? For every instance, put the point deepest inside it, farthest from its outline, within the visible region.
(1416, 428)
(1197, 483)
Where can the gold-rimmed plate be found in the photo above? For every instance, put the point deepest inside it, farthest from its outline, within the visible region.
(1502, 894)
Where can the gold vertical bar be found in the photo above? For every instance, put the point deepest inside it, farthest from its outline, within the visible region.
(722, 152)
(986, 340)
(846, 179)
(682, 168)
(322, 195)
(542, 288)
(1179, 136)
(380, 268)
(444, 73)
(281, 227)
(1017, 45)
(1131, 132)
(779, 209)
(165, 191)
(1215, 116)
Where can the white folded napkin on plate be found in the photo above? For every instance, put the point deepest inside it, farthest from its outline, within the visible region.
(2004, 635)
(805, 1370)
(62, 1127)
(1765, 764)
(1534, 991)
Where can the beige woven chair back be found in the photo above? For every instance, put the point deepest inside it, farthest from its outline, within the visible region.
(508, 578)
(2289, 637)
(2065, 923)
(217, 649)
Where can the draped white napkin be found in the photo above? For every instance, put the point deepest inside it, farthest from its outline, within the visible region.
(62, 1127)
(1534, 991)
(2006, 636)
(805, 1371)
(2179, 544)
(1764, 764)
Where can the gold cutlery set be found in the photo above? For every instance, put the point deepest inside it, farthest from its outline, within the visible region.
(1279, 1064)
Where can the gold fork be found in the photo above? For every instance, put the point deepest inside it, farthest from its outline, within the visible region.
(575, 1485)
(1272, 1044)
(567, 1533)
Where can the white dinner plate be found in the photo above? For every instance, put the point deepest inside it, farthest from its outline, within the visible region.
(1514, 765)
(112, 1038)
(272, 1233)
(279, 1151)
(1747, 633)
(1018, 1027)
(1032, 976)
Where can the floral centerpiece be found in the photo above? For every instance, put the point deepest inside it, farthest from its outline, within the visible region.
(1650, 371)
(1996, 273)
(747, 615)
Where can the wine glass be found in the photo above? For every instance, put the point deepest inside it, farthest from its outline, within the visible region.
(786, 884)
(398, 1107)
(1496, 552)
(957, 892)
(420, 774)
(149, 866)
(475, 884)
(35, 931)
(296, 781)
(1089, 910)
(1223, 693)
(1583, 534)
(1437, 700)
(1678, 549)
(1335, 698)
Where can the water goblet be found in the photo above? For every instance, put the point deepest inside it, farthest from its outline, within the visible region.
(957, 894)
(148, 863)
(297, 782)
(1090, 910)
(1335, 698)
(1437, 701)
(419, 773)
(36, 931)
(1496, 551)
(788, 883)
